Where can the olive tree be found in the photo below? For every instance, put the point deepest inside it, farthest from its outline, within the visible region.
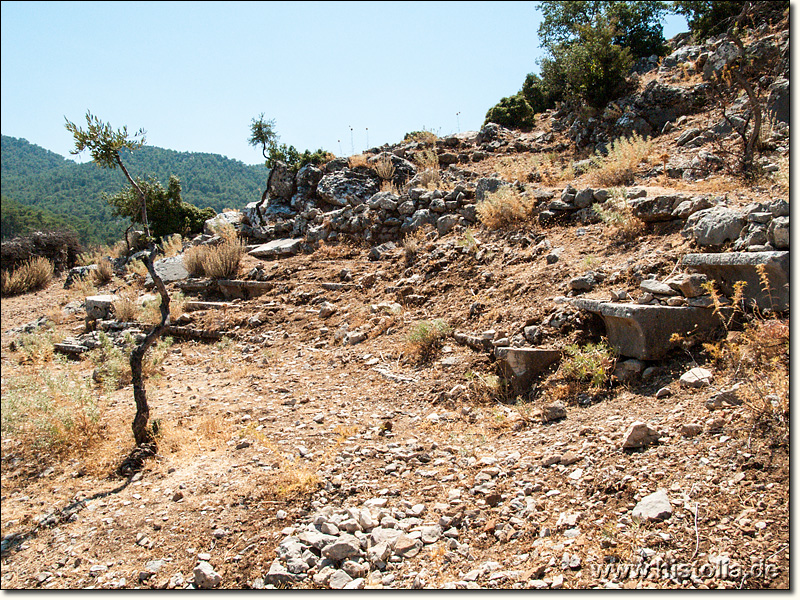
(262, 133)
(105, 144)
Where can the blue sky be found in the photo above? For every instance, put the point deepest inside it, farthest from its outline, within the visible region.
(194, 74)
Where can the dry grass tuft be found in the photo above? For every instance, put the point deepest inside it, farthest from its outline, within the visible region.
(384, 166)
(428, 163)
(619, 217)
(137, 267)
(622, 161)
(34, 274)
(222, 261)
(104, 272)
(507, 207)
(329, 251)
(217, 262)
(84, 286)
(126, 307)
(426, 338)
(358, 160)
(412, 244)
(50, 409)
(421, 137)
(172, 245)
(193, 260)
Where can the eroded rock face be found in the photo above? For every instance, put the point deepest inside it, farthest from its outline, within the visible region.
(714, 226)
(281, 182)
(348, 187)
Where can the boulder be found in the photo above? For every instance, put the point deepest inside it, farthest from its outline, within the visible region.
(778, 233)
(487, 185)
(280, 185)
(778, 107)
(228, 217)
(169, 269)
(445, 223)
(714, 226)
(277, 248)
(99, 307)
(655, 209)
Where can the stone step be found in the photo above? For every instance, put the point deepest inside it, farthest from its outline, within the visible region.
(194, 305)
(276, 248)
(239, 288)
(644, 331)
(726, 268)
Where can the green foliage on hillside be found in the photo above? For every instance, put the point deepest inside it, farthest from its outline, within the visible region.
(513, 112)
(296, 160)
(20, 219)
(707, 18)
(637, 25)
(591, 46)
(592, 70)
(40, 179)
(166, 211)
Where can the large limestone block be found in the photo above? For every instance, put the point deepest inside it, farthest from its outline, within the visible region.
(645, 331)
(523, 365)
(726, 268)
(277, 248)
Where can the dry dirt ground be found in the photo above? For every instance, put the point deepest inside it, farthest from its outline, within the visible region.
(261, 431)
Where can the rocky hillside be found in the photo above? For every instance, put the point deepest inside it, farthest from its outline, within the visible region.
(493, 360)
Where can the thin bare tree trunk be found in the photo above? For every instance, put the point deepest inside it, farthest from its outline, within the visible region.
(141, 433)
(139, 191)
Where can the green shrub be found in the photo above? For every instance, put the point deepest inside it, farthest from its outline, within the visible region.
(112, 363)
(296, 160)
(707, 18)
(533, 92)
(595, 70)
(637, 24)
(166, 211)
(594, 363)
(426, 338)
(513, 112)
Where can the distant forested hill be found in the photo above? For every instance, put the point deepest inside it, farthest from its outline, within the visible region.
(39, 186)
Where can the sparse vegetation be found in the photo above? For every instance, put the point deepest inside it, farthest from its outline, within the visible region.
(421, 137)
(620, 165)
(592, 363)
(428, 164)
(104, 272)
(507, 207)
(34, 274)
(384, 166)
(618, 216)
(426, 338)
(358, 160)
(222, 261)
(50, 410)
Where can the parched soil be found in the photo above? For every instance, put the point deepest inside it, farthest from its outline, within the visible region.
(261, 431)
